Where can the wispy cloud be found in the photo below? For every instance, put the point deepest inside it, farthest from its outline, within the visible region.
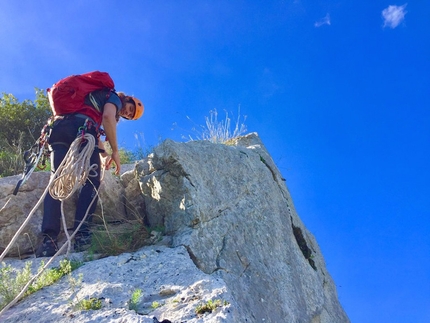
(394, 15)
(323, 21)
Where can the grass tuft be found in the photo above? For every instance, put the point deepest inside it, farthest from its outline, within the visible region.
(219, 131)
(89, 304)
(112, 240)
(210, 306)
(135, 299)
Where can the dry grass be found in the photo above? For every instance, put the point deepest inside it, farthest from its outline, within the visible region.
(218, 131)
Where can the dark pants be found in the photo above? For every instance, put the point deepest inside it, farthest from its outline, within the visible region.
(64, 132)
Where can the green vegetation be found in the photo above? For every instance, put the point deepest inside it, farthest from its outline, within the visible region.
(210, 306)
(89, 304)
(112, 240)
(125, 156)
(50, 276)
(21, 124)
(155, 305)
(12, 281)
(134, 300)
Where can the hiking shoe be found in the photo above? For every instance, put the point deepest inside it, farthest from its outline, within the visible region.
(48, 248)
(82, 242)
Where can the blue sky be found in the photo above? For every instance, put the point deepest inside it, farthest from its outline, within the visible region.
(337, 90)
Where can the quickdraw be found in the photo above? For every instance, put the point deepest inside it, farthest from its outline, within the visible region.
(87, 126)
(36, 156)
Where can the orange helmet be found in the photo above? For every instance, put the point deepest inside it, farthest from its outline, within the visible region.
(139, 108)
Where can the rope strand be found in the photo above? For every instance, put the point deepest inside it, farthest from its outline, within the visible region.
(69, 176)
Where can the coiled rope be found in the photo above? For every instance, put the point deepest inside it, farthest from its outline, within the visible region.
(76, 169)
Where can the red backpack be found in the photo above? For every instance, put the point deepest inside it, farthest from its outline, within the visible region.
(67, 96)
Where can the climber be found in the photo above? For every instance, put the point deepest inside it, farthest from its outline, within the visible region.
(101, 107)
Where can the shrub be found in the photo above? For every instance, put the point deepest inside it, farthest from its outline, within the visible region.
(12, 281)
(21, 123)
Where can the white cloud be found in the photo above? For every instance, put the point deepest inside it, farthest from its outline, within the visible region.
(323, 21)
(394, 15)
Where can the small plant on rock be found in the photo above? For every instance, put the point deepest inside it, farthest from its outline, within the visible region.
(219, 131)
(13, 281)
(89, 304)
(155, 305)
(50, 276)
(113, 239)
(210, 306)
(134, 300)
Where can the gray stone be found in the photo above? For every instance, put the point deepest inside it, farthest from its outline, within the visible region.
(230, 207)
(133, 199)
(14, 211)
(171, 288)
(116, 203)
(232, 232)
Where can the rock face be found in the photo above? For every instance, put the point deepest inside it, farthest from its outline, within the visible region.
(117, 202)
(14, 210)
(170, 286)
(229, 208)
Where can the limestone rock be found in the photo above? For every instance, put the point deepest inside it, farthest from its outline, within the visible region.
(112, 207)
(171, 287)
(230, 207)
(133, 200)
(233, 233)
(14, 211)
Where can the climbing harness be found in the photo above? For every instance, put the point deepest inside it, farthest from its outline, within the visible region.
(36, 156)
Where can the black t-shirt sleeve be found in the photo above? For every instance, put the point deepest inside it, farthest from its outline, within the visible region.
(98, 99)
(115, 100)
